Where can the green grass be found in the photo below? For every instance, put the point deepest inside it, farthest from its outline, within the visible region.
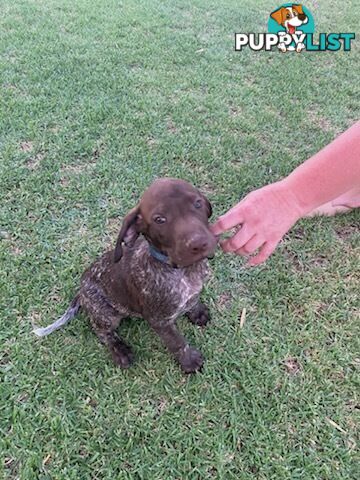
(98, 99)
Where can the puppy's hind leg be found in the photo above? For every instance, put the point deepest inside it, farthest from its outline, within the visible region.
(104, 321)
(121, 352)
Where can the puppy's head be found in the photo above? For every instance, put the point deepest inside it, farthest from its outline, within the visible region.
(173, 216)
(290, 17)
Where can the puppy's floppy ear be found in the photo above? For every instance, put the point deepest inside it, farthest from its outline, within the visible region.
(128, 233)
(278, 15)
(298, 8)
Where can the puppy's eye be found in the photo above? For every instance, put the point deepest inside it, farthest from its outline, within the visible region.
(295, 14)
(159, 219)
(288, 15)
(198, 204)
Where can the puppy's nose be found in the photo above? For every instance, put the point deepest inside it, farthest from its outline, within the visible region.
(302, 16)
(198, 244)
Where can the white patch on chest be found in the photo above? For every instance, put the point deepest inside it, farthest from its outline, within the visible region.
(186, 291)
(177, 288)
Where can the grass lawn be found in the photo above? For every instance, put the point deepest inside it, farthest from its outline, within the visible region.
(97, 100)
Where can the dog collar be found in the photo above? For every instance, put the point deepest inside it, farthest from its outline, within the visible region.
(154, 252)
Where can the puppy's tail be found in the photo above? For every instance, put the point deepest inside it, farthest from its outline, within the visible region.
(70, 313)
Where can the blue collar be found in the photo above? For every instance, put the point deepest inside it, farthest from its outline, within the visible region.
(154, 252)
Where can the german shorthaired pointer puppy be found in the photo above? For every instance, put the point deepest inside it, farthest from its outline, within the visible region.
(157, 276)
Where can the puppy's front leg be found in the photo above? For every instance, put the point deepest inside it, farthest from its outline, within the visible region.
(189, 358)
(199, 314)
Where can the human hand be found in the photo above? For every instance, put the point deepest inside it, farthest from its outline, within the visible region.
(265, 215)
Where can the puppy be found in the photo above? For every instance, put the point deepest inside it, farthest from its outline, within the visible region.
(290, 18)
(155, 272)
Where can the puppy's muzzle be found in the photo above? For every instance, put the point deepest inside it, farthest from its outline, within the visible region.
(198, 244)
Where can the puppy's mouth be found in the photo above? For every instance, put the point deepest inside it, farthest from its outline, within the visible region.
(186, 260)
(293, 24)
(195, 261)
(292, 29)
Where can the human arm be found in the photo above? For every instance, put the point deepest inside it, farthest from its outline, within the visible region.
(266, 214)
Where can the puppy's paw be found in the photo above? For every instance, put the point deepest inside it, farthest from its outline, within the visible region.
(191, 360)
(122, 356)
(282, 47)
(299, 47)
(200, 316)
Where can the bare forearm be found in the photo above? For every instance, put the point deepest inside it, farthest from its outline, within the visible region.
(266, 214)
(329, 173)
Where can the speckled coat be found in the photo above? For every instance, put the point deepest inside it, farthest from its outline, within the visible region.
(139, 285)
(168, 227)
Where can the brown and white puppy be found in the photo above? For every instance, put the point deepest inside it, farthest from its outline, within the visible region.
(290, 18)
(156, 272)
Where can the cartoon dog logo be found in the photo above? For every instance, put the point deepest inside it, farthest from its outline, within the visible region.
(290, 18)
